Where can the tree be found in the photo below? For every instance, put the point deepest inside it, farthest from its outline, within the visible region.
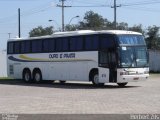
(137, 28)
(71, 27)
(92, 21)
(40, 31)
(153, 37)
(122, 26)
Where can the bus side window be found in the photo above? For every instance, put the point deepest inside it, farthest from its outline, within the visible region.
(17, 47)
(58, 44)
(76, 43)
(46, 45)
(36, 46)
(91, 42)
(65, 44)
(10, 47)
(107, 41)
(103, 59)
(51, 45)
(25, 47)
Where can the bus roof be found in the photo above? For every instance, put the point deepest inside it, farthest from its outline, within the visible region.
(79, 32)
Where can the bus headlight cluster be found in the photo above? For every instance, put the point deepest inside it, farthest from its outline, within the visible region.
(146, 72)
(124, 73)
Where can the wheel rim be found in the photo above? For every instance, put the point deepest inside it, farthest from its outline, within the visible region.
(37, 77)
(27, 77)
(96, 79)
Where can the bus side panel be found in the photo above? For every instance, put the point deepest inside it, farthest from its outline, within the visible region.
(58, 71)
(103, 75)
(78, 71)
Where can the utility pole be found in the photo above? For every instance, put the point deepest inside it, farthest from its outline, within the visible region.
(62, 6)
(115, 13)
(19, 23)
(62, 15)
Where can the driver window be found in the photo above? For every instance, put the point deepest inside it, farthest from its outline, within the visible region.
(103, 59)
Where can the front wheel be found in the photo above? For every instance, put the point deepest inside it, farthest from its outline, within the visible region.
(122, 84)
(95, 79)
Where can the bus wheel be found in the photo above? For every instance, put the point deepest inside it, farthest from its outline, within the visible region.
(95, 79)
(122, 84)
(27, 76)
(62, 81)
(37, 76)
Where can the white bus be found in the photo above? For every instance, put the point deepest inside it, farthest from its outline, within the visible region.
(97, 56)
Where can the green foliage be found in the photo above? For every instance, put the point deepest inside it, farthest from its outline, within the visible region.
(40, 31)
(92, 21)
(122, 26)
(152, 39)
(137, 28)
(71, 27)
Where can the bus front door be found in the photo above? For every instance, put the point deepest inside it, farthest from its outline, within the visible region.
(112, 67)
(107, 64)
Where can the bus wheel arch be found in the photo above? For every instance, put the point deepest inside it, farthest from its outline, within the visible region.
(94, 77)
(26, 75)
(37, 75)
(92, 72)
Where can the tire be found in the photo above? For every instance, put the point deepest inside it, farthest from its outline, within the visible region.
(62, 81)
(37, 76)
(27, 76)
(122, 84)
(95, 79)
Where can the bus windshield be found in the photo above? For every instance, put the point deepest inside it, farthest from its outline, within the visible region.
(131, 40)
(133, 56)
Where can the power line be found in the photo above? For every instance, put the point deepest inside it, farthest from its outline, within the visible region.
(142, 9)
(140, 3)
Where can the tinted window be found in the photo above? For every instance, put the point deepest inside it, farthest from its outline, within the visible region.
(107, 41)
(10, 47)
(76, 43)
(65, 44)
(25, 47)
(51, 45)
(91, 42)
(131, 39)
(45, 45)
(59, 44)
(36, 46)
(17, 47)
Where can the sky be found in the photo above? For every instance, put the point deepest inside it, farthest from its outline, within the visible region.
(36, 13)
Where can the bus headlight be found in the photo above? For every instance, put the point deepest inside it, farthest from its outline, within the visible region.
(124, 73)
(146, 72)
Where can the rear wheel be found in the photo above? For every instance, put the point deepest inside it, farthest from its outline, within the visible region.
(27, 76)
(37, 76)
(122, 84)
(95, 79)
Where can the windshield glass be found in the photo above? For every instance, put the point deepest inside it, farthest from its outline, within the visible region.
(131, 39)
(133, 56)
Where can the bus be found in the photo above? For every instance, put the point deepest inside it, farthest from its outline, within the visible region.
(107, 56)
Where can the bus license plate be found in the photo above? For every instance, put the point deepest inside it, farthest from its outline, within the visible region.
(136, 78)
